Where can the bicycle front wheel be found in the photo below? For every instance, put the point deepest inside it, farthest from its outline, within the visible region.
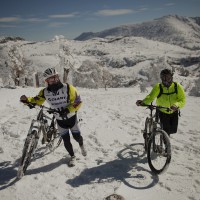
(27, 153)
(159, 152)
(147, 132)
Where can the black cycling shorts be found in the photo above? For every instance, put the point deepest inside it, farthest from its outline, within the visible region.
(67, 123)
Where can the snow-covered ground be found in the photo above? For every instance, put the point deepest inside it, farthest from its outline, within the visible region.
(110, 120)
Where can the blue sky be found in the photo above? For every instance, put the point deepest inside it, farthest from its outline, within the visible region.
(43, 19)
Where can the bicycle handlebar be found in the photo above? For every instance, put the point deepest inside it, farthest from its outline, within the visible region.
(152, 107)
(33, 105)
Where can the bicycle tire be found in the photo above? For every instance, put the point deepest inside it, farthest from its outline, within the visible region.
(159, 152)
(27, 153)
(147, 132)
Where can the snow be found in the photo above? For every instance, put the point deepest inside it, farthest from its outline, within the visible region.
(110, 121)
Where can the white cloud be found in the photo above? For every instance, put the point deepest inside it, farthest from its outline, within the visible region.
(9, 19)
(64, 15)
(170, 4)
(143, 9)
(114, 12)
(35, 20)
(19, 19)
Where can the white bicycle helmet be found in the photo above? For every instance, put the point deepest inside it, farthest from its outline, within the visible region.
(49, 73)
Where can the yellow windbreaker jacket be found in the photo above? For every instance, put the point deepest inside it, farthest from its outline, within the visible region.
(167, 100)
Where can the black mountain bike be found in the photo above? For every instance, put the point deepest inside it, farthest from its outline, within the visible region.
(42, 124)
(156, 142)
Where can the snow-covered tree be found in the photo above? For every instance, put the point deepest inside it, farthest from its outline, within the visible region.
(66, 62)
(17, 65)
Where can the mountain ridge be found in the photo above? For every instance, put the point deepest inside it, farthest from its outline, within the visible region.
(173, 29)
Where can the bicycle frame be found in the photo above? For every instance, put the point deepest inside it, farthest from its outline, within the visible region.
(38, 126)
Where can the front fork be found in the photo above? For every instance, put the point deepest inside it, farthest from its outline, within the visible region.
(34, 126)
(157, 144)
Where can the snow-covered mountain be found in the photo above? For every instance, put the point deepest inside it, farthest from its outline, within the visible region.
(113, 61)
(173, 29)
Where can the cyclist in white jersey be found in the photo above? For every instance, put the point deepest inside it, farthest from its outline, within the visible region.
(65, 99)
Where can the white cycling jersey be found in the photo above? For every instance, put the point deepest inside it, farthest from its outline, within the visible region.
(58, 100)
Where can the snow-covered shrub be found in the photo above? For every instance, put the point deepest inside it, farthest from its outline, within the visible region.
(17, 65)
(1, 83)
(116, 63)
(152, 75)
(91, 75)
(143, 86)
(95, 52)
(143, 72)
(7, 39)
(58, 37)
(195, 91)
(184, 72)
(130, 62)
(88, 75)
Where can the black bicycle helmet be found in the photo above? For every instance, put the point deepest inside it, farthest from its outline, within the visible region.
(164, 72)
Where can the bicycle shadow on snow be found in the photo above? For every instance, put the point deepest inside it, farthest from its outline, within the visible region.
(127, 169)
(46, 168)
(8, 173)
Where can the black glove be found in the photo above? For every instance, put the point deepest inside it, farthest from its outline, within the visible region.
(23, 99)
(174, 108)
(139, 103)
(31, 105)
(63, 113)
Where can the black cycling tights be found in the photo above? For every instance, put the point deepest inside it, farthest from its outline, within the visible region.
(67, 143)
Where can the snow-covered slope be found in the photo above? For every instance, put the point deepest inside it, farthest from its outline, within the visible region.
(110, 120)
(114, 61)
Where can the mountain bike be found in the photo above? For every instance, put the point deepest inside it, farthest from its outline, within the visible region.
(156, 141)
(42, 124)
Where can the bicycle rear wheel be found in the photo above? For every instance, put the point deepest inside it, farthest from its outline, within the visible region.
(27, 153)
(54, 143)
(159, 152)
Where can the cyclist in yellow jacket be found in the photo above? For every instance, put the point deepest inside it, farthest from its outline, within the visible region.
(169, 94)
(65, 99)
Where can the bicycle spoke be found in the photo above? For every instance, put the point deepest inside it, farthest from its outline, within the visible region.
(54, 143)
